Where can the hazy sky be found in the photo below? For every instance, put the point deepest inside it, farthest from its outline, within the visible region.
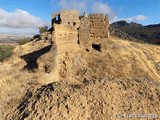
(25, 16)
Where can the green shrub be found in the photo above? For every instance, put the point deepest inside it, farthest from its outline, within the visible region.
(43, 29)
(6, 51)
(23, 41)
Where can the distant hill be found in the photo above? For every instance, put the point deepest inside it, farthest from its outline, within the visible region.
(10, 38)
(149, 33)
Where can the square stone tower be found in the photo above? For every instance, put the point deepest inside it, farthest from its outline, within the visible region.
(70, 18)
(93, 31)
(65, 33)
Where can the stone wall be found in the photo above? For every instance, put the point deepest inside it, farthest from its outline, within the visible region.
(90, 32)
(65, 29)
(72, 31)
(98, 26)
(93, 30)
(65, 37)
(70, 18)
(66, 41)
(84, 31)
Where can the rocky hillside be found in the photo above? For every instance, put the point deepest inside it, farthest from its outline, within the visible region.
(122, 79)
(149, 34)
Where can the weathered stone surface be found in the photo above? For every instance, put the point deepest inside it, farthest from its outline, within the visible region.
(84, 30)
(84, 33)
(98, 26)
(64, 35)
(71, 30)
(93, 29)
(70, 17)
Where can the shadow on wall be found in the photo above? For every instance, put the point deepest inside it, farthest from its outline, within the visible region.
(31, 58)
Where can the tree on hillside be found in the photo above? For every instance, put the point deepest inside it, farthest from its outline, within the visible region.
(43, 29)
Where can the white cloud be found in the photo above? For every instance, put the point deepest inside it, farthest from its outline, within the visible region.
(19, 19)
(88, 6)
(138, 18)
(100, 7)
(96, 6)
(19, 22)
(74, 4)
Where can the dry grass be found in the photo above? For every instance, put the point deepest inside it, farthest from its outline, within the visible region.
(14, 81)
(122, 59)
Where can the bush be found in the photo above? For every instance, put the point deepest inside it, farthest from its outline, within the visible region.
(23, 41)
(43, 29)
(6, 51)
(36, 36)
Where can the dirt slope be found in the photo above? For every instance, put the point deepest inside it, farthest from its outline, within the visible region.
(93, 100)
(124, 78)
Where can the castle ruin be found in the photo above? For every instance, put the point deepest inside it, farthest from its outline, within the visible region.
(88, 31)
(70, 31)
(70, 34)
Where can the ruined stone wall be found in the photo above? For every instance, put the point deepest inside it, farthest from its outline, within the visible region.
(65, 31)
(84, 31)
(89, 31)
(65, 37)
(93, 30)
(70, 18)
(98, 26)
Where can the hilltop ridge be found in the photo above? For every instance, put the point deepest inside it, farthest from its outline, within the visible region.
(148, 33)
(77, 70)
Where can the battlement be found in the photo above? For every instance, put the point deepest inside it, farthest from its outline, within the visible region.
(98, 26)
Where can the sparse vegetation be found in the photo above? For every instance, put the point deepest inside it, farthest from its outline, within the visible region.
(123, 68)
(23, 41)
(43, 29)
(6, 51)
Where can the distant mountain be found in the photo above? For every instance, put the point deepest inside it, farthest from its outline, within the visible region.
(10, 38)
(149, 33)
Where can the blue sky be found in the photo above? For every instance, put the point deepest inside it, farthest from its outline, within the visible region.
(25, 16)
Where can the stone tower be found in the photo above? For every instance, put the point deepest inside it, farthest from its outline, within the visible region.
(93, 30)
(65, 29)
